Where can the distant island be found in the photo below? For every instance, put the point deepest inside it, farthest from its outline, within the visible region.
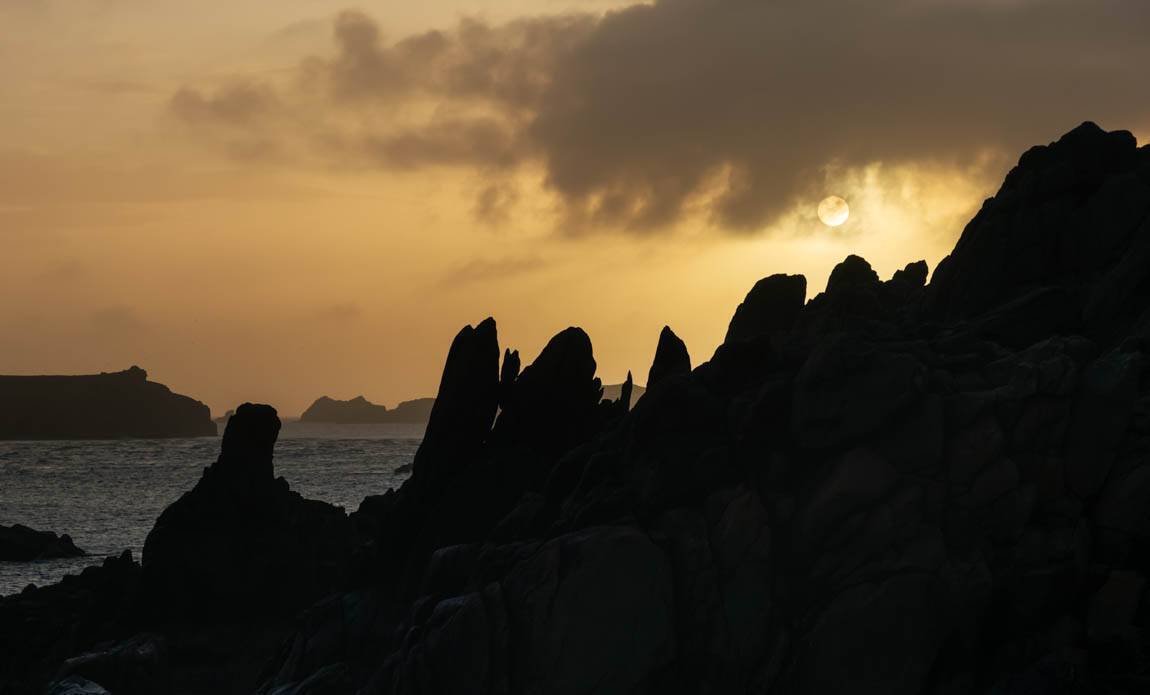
(612, 392)
(360, 411)
(109, 405)
(19, 543)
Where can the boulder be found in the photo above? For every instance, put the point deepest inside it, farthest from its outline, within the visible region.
(137, 666)
(75, 685)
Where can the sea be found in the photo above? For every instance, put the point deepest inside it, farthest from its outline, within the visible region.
(107, 494)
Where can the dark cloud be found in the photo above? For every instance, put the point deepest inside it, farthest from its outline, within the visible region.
(339, 312)
(237, 104)
(495, 202)
(732, 106)
(118, 87)
(488, 269)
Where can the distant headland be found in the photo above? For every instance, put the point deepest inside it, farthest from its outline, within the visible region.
(360, 411)
(109, 405)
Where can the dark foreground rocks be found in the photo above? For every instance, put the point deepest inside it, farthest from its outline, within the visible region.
(18, 543)
(240, 543)
(224, 569)
(98, 406)
(893, 487)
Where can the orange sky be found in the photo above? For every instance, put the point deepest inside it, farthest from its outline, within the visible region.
(137, 231)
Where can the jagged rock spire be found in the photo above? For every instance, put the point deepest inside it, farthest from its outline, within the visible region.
(671, 358)
(466, 403)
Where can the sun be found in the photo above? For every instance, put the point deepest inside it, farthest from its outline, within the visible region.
(833, 211)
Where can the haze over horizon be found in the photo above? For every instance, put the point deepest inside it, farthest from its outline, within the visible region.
(273, 201)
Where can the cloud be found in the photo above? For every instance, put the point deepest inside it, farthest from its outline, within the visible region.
(495, 203)
(488, 269)
(117, 319)
(339, 312)
(237, 104)
(732, 109)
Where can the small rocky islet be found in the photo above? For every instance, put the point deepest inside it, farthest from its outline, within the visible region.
(19, 543)
(895, 487)
(360, 411)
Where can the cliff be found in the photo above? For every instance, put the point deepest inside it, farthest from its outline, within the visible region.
(895, 487)
(98, 406)
(360, 411)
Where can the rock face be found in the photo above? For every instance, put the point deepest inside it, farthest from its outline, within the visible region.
(892, 488)
(240, 542)
(360, 411)
(20, 543)
(99, 406)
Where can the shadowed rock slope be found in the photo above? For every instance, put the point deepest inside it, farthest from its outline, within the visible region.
(891, 488)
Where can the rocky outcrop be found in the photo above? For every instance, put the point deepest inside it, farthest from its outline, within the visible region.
(241, 542)
(671, 358)
(892, 488)
(466, 403)
(773, 304)
(22, 544)
(360, 411)
(1071, 223)
(99, 406)
(553, 402)
(41, 628)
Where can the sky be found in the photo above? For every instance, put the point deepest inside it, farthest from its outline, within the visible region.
(273, 200)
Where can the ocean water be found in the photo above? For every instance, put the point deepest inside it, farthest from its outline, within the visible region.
(107, 494)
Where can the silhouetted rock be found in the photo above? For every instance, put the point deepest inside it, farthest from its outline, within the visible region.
(852, 274)
(1072, 215)
(889, 489)
(98, 406)
(508, 373)
(466, 403)
(614, 392)
(20, 543)
(360, 411)
(240, 542)
(912, 276)
(553, 403)
(42, 627)
(671, 358)
(773, 304)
